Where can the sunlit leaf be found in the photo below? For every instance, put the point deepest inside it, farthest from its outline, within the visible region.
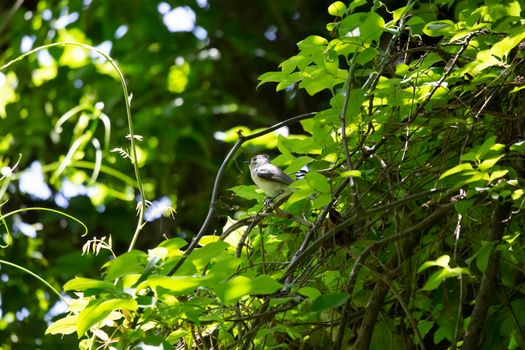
(439, 28)
(264, 285)
(82, 284)
(318, 182)
(351, 173)
(66, 325)
(178, 77)
(98, 310)
(231, 291)
(489, 163)
(457, 169)
(337, 9)
(205, 240)
(131, 262)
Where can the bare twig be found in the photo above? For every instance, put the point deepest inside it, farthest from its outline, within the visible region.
(218, 178)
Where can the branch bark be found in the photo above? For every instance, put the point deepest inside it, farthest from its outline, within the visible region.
(473, 337)
(376, 300)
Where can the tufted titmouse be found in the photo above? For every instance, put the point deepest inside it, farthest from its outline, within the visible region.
(272, 180)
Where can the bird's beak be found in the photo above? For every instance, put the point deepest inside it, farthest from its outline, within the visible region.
(246, 162)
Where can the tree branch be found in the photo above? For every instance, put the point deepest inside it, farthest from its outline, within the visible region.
(473, 336)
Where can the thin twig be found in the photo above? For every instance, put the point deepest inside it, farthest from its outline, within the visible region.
(218, 178)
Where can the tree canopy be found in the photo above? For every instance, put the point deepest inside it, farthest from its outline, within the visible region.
(129, 220)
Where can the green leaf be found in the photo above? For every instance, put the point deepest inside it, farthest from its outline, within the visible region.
(178, 77)
(66, 325)
(518, 146)
(441, 261)
(248, 192)
(131, 262)
(356, 3)
(497, 174)
(337, 9)
(202, 256)
(482, 255)
(205, 240)
(318, 182)
(457, 169)
(176, 284)
(435, 280)
(439, 28)
(83, 284)
(152, 342)
(231, 291)
(502, 48)
(271, 77)
(361, 28)
(517, 194)
(312, 44)
(438, 277)
(264, 285)
(489, 163)
(173, 245)
(424, 327)
(98, 310)
(367, 55)
(463, 206)
(351, 173)
(309, 292)
(329, 301)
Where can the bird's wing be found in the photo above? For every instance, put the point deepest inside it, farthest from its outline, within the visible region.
(272, 173)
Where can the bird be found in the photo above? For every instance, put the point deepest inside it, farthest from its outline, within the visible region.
(268, 177)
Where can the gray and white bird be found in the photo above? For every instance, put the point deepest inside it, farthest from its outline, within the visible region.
(271, 179)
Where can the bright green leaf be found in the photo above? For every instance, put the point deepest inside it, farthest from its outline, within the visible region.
(318, 182)
(367, 55)
(248, 192)
(178, 77)
(457, 169)
(518, 146)
(202, 256)
(441, 261)
(131, 262)
(176, 284)
(435, 280)
(497, 174)
(312, 44)
(502, 48)
(489, 163)
(439, 28)
(98, 310)
(205, 240)
(351, 173)
(83, 284)
(517, 194)
(66, 325)
(337, 9)
(356, 3)
(264, 285)
(231, 291)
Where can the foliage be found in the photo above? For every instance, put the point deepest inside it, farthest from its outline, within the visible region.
(405, 232)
